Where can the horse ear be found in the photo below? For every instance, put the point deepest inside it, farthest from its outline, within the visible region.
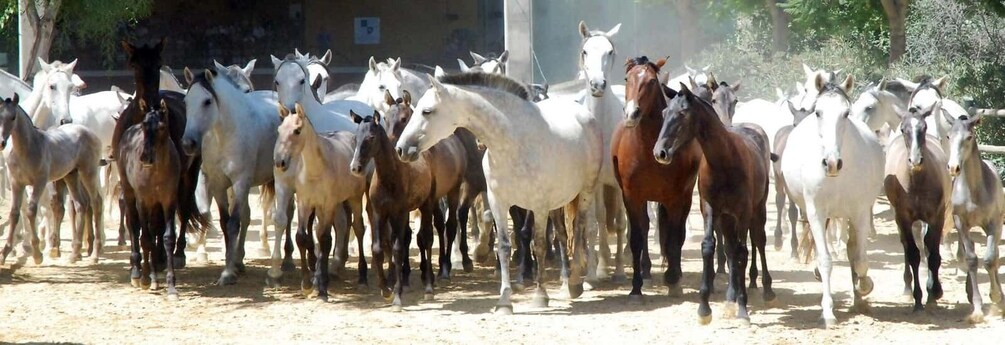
(43, 65)
(143, 106)
(297, 53)
(583, 30)
(613, 31)
(406, 97)
(818, 82)
(478, 59)
(299, 109)
(283, 112)
(938, 83)
(691, 82)
(690, 71)
(219, 66)
(388, 98)
(355, 117)
(881, 85)
(909, 85)
(849, 83)
(160, 45)
(684, 89)
(706, 68)
(276, 62)
(662, 61)
(69, 67)
(463, 66)
(316, 84)
(16, 98)
(663, 77)
(208, 74)
(808, 71)
(189, 77)
(711, 82)
(439, 72)
(250, 67)
(396, 65)
(78, 83)
(792, 108)
(128, 48)
(327, 58)
(504, 56)
(373, 64)
(736, 86)
(435, 84)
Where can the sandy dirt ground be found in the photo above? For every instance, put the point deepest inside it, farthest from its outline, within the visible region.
(80, 303)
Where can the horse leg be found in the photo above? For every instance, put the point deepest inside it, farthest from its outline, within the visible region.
(463, 211)
(484, 215)
(858, 238)
(759, 241)
(57, 206)
(638, 225)
(933, 239)
(340, 249)
(556, 219)
(912, 257)
(439, 223)
(503, 249)
(31, 214)
(720, 254)
(379, 230)
(244, 216)
(263, 235)
(146, 244)
(17, 191)
(707, 273)
(577, 239)
(288, 248)
(794, 237)
(90, 185)
(598, 260)
(400, 255)
(324, 238)
(968, 259)
(779, 207)
(673, 223)
(280, 220)
(122, 215)
(616, 222)
(453, 201)
(80, 203)
(432, 218)
(356, 207)
(818, 226)
(523, 235)
(229, 275)
(540, 233)
(304, 243)
(993, 233)
(738, 263)
(169, 246)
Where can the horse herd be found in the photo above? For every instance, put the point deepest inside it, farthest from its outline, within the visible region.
(569, 166)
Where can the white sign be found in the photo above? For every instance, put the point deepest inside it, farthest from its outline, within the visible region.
(367, 30)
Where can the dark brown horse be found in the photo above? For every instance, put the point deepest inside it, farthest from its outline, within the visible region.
(152, 163)
(732, 183)
(919, 190)
(146, 63)
(396, 189)
(643, 179)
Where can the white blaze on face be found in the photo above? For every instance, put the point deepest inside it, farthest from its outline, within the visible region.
(832, 120)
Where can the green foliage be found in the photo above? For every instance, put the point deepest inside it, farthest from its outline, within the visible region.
(858, 22)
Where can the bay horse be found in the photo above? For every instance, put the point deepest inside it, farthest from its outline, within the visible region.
(398, 187)
(977, 200)
(319, 164)
(151, 163)
(643, 179)
(832, 167)
(733, 188)
(918, 188)
(69, 154)
(146, 63)
(540, 156)
(449, 159)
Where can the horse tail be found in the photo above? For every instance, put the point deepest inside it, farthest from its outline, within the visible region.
(774, 157)
(188, 209)
(268, 195)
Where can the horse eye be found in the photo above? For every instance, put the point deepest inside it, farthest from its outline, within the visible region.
(715, 101)
(302, 82)
(207, 102)
(427, 111)
(817, 113)
(52, 87)
(846, 113)
(276, 82)
(382, 88)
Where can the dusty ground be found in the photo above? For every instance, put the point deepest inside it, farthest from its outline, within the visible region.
(57, 302)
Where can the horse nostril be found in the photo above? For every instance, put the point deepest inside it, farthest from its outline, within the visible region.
(399, 151)
(840, 164)
(823, 162)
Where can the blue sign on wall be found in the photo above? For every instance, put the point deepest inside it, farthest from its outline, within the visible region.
(367, 30)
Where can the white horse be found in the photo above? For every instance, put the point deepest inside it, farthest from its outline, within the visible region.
(700, 77)
(596, 61)
(490, 64)
(389, 76)
(808, 91)
(825, 185)
(540, 157)
(220, 119)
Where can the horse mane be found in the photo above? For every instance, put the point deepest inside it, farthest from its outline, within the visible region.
(640, 61)
(18, 111)
(492, 81)
(925, 82)
(832, 87)
(200, 79)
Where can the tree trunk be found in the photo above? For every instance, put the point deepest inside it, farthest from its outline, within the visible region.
(896, 14)
(779, 26)
(41, 17)
(687, 28)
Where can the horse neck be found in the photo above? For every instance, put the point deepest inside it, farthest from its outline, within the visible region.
(42, 115)
(25, 136)
(714, 138)
(490, 124)
(309, 101)
(232, 102)
(604, 107)
(651, 121)
(971, 176)
(147, 86)
(312, 154)
(386, 166)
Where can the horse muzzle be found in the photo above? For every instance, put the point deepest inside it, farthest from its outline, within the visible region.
(3, 144)
(832, 166)
(954, 170)
(65, 121)
(663, 156)
(632, 114)
(190, 146)
(282, 165)
(597, 88)
(356, 169)
(407, 153)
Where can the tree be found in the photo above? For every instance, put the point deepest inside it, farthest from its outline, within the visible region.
(93, 20)
(779, 25)
(896, 14)
(687, 27)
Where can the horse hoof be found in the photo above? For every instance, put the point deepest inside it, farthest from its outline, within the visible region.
(468, 266)
(729, 310)
(179, 262)
(588, 286)
(397, 308)
(861, 308)
(619, 278)
(264, 253)
(816, 274)
(976, 317)
(503, 310)
(635, 300)
(288, 266)
(93, 260)
(202, 258)
(518, 287)
(865, 286)
(830, 323)
(675, 291)
(575, 290)
(428, 297)
(241, 269)
(778, 244)
(322, 298)
(73, 258)
(154, 286)
(145, 283)
(539, 301)
(744, 322)
(37, 256)
(53, 253)
(704, 320)
(272, 282)
(172, 297)
(771, 303)
(227, 279)
(135, 282)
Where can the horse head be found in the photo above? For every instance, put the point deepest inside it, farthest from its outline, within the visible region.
(155, 130)
(381, 77)
(369, 137)
(832, 108)
(962, 141)
(644, 93)
(291, 80)
(597, 57)
(680, 120)
(397, 115)
(146, 62)
(290, 141)
(56, 90)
